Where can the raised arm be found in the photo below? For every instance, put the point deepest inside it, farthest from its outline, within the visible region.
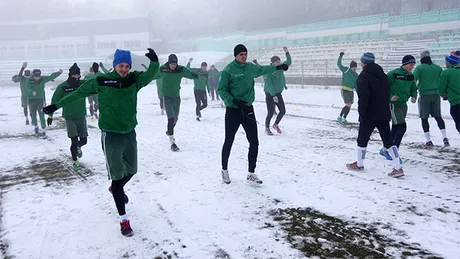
(24, 65)
(339, 63)
(144, 78)
(194, 70)
(288, 57)
(52, 76)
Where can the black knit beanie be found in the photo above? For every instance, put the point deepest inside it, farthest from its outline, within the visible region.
(238, 49)
(74, 70)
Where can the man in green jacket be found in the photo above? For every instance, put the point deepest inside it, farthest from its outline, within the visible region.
(118, 92)
(21, 79)
(236, 88)
(36, 96)
(429, 103)
(171, 75)
(349, 77)
(273, 87)
(74, 114)
(402, 87)
(201, 86)
(449, 85)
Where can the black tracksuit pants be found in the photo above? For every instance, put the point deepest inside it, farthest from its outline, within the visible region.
(235, 117)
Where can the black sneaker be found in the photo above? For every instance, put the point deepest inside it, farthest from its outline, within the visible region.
(36, 130)
(174, 147)
(446, 142)
(27, 122)
(126, 229)
(198, 118)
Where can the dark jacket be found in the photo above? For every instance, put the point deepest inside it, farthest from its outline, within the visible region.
(373, 88)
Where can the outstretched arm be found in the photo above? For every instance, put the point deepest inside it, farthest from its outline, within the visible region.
(187, 73)
(52, 76)
(86, 89)
(261, 70)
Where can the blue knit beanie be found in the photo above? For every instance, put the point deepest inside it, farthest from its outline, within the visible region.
(122, 56)
(368, 58)
(454, 57)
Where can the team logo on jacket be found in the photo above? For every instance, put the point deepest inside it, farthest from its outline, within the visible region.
(404, 77)
(238, 75)
(69, 89)
(102, 81)
(166, 69)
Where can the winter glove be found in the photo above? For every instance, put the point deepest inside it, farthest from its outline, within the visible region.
(285, 87)
(95, 67)
(244, 107)
(152, 55)
(342, 53)
(49, 121)
(50, 109)
(282, 67)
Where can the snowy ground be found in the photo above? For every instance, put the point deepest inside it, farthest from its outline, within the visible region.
(180, 209)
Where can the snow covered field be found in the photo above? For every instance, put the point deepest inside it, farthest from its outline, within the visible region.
(180, 209)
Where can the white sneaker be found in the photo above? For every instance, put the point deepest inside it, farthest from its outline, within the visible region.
(253, 179)
(225, 177)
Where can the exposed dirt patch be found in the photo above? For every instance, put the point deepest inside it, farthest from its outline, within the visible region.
(316, 234)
